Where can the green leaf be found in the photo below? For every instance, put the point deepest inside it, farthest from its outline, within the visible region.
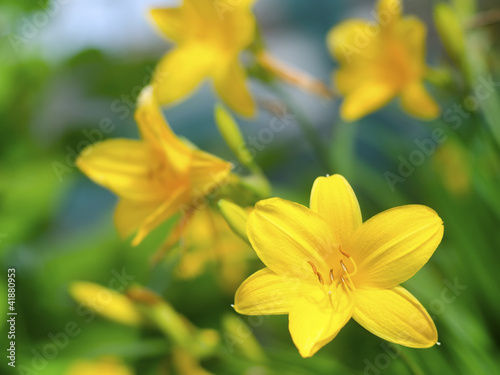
(451, 31)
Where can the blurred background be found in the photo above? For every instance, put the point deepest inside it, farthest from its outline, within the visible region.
(66, 66)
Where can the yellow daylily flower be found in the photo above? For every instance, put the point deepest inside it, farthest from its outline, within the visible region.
(209, 240)
(209, 37)
(155, 177)
(103, 366)
(325, 266)
(381, 60)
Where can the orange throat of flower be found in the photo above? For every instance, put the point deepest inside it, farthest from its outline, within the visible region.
(341, 270)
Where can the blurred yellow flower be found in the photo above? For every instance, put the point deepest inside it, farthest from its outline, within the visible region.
(106, 302)
(325, 266)
(155, 177)
(381, 60)
(208, 240)
(104, 366)
(209, 36)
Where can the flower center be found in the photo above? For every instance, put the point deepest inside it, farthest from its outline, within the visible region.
(342, 269)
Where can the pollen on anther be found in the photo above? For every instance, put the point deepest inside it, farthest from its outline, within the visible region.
(315, 270)
(343, 266)
(347, 255)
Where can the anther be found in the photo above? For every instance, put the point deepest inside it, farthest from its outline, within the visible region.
(313, 267)
(331, 275)
(320, 278)
(343, 266)
(344, 253)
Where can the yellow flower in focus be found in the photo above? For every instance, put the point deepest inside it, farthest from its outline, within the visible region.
(382, 60)
(155, 177)
(208, 240)
(104, 366)
(106, 302)
(325, 266)
(209, 36)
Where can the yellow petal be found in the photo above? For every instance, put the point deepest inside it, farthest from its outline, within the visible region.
(350, 77)
(334, 200)
(389, 11)
(287, 236)
(412, 32)
(130, 214)
(226, 23)
(352, 41)
(181, 71)
(230, 84)
(396, 316)
(163, 212)
(156, 131)
(106, 302)
(366, 99)
(237, 25)
(316, 318)
(170, 21)
(393, 245)
(266, 293)
(416, 100)
(125, 167)
(208, 173)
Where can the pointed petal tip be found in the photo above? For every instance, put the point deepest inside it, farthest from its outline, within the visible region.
(306, 353)
(397, 316)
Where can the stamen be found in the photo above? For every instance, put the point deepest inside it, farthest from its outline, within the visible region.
(313, 267)
(331, 275)
(320, 279)
(343, 266)
(344, 253)
(350, 283)
(355, 267)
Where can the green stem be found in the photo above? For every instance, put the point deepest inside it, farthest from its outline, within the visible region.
(307, 129)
